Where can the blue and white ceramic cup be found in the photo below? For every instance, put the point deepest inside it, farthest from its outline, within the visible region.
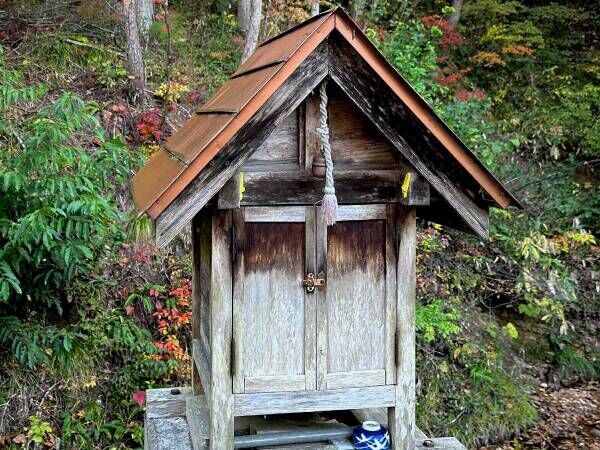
(371, 436)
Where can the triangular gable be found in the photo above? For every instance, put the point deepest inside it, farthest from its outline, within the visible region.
(159, 186)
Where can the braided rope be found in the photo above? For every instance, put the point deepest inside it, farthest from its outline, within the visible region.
(329, 203)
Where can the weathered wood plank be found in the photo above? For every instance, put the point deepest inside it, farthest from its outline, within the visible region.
(275, 214)
(202, 365)
(230, 195)
(271, 308)
(196, 300)
(379, 103)
(355, 300)
(415, 190)
(237, 151)
(402, 416)
(357, 378)
(302, 188)
(312, 142)
(321, 300)
(166, 402)
(239, 268)
(280, 151)
(274, 383)
(198, 418)
(391, 239)
(307, 401)
(361, 212)
(310, 307)
(221, 301)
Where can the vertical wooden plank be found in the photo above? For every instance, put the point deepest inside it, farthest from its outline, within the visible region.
(221, 301)
(238, 294)
(201, 279)
(321, 297)
(402, 416)
(390, 293)
(312, 143)
(310, 304)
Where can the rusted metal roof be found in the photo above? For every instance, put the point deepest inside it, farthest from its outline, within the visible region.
(194, 145)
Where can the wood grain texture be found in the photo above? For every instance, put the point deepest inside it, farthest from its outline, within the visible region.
(221, 300)
(230, 195)
(355, 141)
(355, 378)
(310, 318)
(356, 296)
(270, 312)
(321, 300)
(237, 151)
(196, 301)
(379, 103)
(418, 193)
(275, 214)
(307, 401)
(198, 419)
(302, 188)
(280, 151)
(164, 403)
(391, 245)
(201, 365)
(402, 416)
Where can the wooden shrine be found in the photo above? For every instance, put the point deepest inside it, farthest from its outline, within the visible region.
(289, 314)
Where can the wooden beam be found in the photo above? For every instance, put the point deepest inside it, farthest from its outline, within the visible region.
(230, 195)
(221, 302)
(201, 366)
(237, 151)
(410, 137)
(310, 401)
(196, 282)
(414, 189)
(402, 416)
(301, 188)
(166, 402)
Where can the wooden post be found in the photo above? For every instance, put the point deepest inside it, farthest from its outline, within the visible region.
(221, 303)
(402, 416)
(196, 382)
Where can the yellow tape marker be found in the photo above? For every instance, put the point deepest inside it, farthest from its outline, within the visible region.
(406, 185)
(242, 187)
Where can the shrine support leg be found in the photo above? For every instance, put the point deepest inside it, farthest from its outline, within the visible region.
(401, 418)
(220, 402)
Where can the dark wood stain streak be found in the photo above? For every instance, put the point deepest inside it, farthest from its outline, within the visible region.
(273, 246)
(356, 244)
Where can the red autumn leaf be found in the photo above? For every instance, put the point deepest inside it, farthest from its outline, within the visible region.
(139, 397)
(129, 310)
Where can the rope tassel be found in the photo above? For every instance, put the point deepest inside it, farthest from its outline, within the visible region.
(329, 203)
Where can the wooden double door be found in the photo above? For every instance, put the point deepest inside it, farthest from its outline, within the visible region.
(288, 336)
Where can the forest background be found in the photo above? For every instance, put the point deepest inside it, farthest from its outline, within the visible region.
(92, 314)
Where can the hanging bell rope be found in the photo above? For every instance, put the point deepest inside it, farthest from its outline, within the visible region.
(329, 202)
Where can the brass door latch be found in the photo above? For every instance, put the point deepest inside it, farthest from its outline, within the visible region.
(310, 282)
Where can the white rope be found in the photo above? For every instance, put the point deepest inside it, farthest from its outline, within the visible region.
(329, 204)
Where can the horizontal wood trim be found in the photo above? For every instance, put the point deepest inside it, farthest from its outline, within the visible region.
(202, 362)
(361, 212)
(343, 380)
(275, 214)
(166, 402)
(302, 188)
(274, 383)
(310, 401)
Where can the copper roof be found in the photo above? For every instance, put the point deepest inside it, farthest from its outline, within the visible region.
(194, 145)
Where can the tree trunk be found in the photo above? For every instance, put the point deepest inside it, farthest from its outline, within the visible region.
(135, 62)
(145, 13)
(243, 14)
(314, 8)
(253, 29)
(455, 16)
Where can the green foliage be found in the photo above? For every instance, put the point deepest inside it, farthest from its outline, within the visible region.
(38, 429)
(436, 320)
(55, 218)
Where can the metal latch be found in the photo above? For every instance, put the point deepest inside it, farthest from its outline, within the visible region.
(310, 282)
